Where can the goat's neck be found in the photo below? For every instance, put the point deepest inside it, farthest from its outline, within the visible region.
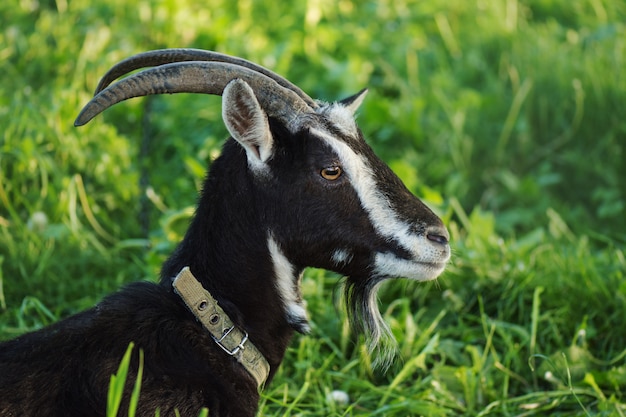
(227, 251)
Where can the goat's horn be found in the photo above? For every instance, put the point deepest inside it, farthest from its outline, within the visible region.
(168, 56)
(197, 77)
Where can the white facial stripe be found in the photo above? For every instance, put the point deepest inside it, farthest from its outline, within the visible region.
(379, 209)
(286, 282)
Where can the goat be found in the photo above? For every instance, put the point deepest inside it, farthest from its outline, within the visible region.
(295, 186)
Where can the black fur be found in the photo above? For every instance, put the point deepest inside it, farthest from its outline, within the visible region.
(64, 369)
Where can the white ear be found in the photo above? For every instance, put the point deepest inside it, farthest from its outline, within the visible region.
(247, 122)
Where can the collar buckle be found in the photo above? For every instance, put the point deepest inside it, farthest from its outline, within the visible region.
(237, 348)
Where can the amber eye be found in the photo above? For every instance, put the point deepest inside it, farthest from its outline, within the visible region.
(331, 173)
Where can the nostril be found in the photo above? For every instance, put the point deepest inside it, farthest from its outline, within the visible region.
(442, 240)
(438, 234)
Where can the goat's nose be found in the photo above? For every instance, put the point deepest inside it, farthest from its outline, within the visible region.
(438, 234)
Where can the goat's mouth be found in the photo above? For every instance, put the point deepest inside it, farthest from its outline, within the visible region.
(388, 265)
(437, 266)
(437, 269)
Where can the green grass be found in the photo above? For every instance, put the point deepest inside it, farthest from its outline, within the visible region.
(508, 117)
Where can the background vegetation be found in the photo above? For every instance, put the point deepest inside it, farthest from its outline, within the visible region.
(506, 116)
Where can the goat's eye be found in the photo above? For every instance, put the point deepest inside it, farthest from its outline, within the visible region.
(331, 173)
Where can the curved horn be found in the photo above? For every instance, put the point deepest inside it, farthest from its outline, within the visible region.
(197, 77)
(168, 56)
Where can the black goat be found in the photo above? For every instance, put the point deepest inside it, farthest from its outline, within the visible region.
(295, 186)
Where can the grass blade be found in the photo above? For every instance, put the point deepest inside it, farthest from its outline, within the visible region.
(116, 386)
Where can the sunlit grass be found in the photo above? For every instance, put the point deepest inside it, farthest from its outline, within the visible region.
(506, 117)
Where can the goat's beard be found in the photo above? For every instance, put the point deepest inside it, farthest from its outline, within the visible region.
(364, 316)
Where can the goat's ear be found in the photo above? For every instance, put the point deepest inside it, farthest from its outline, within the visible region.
(352, 103)
(246, 121)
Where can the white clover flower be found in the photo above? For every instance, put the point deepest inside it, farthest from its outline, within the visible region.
(38, 222)
(338, 397)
